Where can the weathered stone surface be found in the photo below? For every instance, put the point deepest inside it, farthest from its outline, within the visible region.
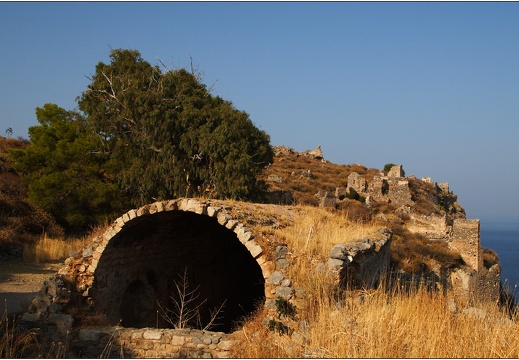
(280, 252)
(212, 211)
(143, 210)
(249, 244)
(231, 224)
(276, 278)
(271, 304)
(335, 264)
(256, 251)
(261, 260)
(284, 292)
(475, 313)
(119, 221)
(63, 322)
(136, 335)
(132, 214)
(338, 252)
(159, 206)
(282, 264)
(369, 258)
(223, 218)
(193, 205)
(178, 340)
(88, 335)
(152, 334)
(244, 237)
(286, 282)
(88, 251)
(226, 344)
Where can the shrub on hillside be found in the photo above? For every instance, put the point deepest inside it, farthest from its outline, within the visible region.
(354, 210)
(490, 257)
(413, 253)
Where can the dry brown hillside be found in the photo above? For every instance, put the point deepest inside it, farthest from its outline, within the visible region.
(305, 178)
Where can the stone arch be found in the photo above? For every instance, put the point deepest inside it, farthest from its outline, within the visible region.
(145, 253)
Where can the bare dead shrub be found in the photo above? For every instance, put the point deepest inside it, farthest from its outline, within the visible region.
(186, 307)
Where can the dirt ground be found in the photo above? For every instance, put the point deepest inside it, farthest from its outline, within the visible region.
(20, 282)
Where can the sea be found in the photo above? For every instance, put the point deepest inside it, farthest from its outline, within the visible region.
(503, 238)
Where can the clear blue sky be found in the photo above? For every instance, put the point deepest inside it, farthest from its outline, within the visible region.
(432, 86)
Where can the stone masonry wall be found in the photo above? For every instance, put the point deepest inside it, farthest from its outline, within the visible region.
(358, 183)
(363, 263)
(399, 192)
(118, 342)
(476, 282)
(465, 240)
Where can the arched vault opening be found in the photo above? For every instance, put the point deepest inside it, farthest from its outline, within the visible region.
(159, 261)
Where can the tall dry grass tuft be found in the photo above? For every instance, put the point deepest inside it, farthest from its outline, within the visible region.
(16, 343)
(49, 249)
(316, 231)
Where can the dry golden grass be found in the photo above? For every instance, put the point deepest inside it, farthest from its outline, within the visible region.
(15, 343)
(315, 231)
(413, 326)
(50, 249)
(377, 324)
(368, 324)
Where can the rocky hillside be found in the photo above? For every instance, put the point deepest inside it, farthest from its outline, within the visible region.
(420, 212)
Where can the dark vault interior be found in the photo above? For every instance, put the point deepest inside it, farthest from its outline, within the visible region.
(145, 268)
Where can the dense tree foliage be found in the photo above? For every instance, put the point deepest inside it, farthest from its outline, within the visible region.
(63, 173)
(164, 134)
(145, 135)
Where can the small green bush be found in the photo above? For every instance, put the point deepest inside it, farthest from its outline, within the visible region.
(388, 167)
(284, 308)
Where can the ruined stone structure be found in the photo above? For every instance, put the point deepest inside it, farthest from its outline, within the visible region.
(462, 235)
(465, 240)
(396, 171)
(361, 264)
(135, 265)
(358, 183)
(393, 188)
(474, 282)
(312, 154)
(151, 343)
(315, 154)
(125, 272)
